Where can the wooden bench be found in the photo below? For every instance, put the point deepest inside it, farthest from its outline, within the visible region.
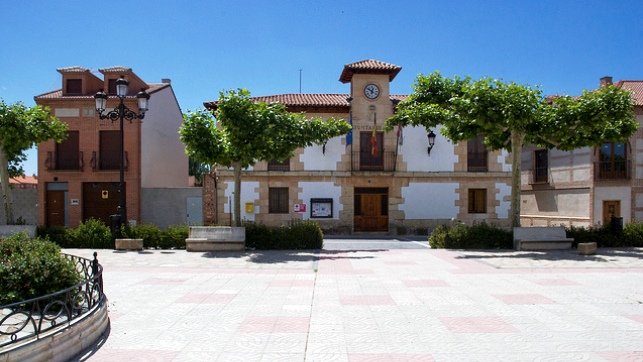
(541, 238)
(216, 238)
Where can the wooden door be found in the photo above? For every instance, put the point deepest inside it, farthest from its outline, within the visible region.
(100, 200)
(371, 210)
(55, 208)
(611, 208)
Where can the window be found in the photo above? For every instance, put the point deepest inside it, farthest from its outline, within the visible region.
(476, 155)
(477, 201)
(371, 155)
(74, 86)
(110, 153)
(279, 166)
(67, 152)
(540, 166)
(278, 200)
(613, 163)
(111, 87)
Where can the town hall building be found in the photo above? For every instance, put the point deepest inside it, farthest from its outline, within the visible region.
(406, 180)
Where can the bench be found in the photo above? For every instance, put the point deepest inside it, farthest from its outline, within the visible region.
(541, 238)
(216, 238)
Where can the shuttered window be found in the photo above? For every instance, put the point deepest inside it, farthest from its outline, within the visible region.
(110, 155)
(477, 201)
(278, 200)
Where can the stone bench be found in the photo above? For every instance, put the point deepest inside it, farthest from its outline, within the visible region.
(216, 238)
(541, 238)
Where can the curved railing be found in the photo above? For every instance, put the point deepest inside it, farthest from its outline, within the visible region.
(31, 318)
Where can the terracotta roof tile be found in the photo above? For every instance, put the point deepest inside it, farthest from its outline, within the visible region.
(368, 66)
(306, 100)
(25, 180)
(75, 69)
(636, 87)
(115, 69)
(58, 94)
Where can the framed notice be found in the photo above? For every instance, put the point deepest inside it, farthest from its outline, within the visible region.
(321, 208)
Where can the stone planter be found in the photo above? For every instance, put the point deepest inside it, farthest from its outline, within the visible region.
(129, 244)
(216, 238)
(8, 230)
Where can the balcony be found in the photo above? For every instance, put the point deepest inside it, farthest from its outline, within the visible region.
(364, 161)
(108, 161)
(612, 170)
(64, 161)
(540, 175)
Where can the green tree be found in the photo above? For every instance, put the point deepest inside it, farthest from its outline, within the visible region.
(509, 115)
(21, 128)
(244, 131)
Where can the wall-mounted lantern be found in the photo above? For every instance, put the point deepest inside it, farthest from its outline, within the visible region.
(431, 137)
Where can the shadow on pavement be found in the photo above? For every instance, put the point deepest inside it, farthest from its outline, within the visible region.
(284, 256)
(602, 255)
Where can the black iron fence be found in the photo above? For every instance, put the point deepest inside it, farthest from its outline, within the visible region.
(72, 161)
(105, 161)
(31, 318)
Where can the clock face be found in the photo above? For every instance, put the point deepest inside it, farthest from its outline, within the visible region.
(371, 91)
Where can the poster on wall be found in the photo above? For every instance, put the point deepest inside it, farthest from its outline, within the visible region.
(321, 208)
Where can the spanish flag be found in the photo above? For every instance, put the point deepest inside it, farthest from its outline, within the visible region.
(374, 143)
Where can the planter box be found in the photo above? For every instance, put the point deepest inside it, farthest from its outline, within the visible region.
(8, 230)
(216, 238)
(586, 248)
(129, 244)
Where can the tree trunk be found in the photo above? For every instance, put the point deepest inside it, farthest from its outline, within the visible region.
(517, 139)
(6, 187)
(237, 193)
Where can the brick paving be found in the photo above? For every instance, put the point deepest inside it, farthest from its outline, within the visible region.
(376, 302)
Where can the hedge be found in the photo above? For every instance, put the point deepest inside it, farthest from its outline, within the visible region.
(297, 235)
(31, 268)
(478, 236)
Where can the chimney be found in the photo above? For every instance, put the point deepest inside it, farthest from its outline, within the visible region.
(168, 80)
(606, 81)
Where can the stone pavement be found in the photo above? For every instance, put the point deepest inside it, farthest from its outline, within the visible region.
(381, 301)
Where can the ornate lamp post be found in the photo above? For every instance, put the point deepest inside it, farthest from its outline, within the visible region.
(431, 138)
(121, 112)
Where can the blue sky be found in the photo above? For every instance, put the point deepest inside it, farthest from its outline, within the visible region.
(208, 46)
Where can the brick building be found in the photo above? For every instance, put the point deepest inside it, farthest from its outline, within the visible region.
(78, 178)
(370, 181)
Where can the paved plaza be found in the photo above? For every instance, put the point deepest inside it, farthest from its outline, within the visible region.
(383, 300)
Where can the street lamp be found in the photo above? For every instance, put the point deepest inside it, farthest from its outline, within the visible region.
(121, 112)
(431, 137)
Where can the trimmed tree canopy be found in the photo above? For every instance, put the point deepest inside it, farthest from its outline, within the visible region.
(244, 132)
(21, 128)
(508, 115)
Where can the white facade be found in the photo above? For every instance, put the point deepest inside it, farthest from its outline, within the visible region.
(163, 159)
(430, 200)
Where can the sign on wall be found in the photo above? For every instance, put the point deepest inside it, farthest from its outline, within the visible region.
(300, 207)
(321, 208)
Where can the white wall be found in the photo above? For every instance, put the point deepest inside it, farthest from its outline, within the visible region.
(414, 151)
(163, 159)
(502, 210)
(612, 193)
(322, 190)
(249, 193)
(504, 160)
(314, 160)
(430, 200)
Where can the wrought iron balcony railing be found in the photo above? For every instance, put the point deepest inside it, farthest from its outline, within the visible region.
(364, 161)
(70, 161)
(612, 170)
(108, 161)
(540, 175)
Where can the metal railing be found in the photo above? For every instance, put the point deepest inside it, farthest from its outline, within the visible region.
(612, 170)
(108, 161)
(364, 161)
(65, 161)
(540, 175)
(31, 318)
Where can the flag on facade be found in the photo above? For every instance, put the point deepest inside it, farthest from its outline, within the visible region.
(400, 135)
(349, 135)
(374, 138)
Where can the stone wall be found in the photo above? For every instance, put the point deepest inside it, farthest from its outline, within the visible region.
(25, 205)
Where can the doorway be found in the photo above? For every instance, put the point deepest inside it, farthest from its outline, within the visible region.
(611, 208)
(371, 209)
(100, 200)
(55, 208)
